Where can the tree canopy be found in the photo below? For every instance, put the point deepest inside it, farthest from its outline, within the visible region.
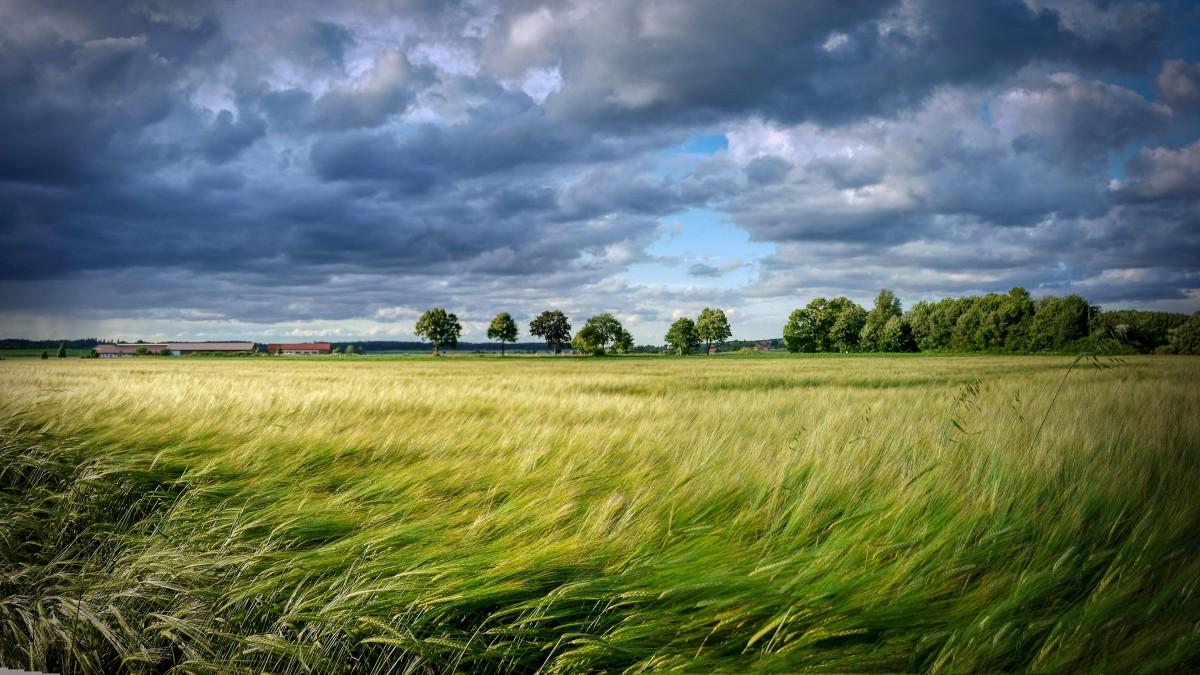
(825, 326)
(623, 343)
(439, 327)
(887, 307)
(712, 326)
(502, 328)
(598, 332)
(682, 336)
(552, 327)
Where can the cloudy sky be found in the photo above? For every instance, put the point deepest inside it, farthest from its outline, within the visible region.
(259, 170)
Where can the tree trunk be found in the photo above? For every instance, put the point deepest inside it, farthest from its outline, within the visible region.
(435, 349)
(501, 349)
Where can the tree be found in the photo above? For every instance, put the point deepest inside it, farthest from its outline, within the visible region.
(45, 355)
(62, 350)
(597, 333)
(682, 336)
(896, 336)
(504, 329)
(587, 341)
(807, 329)
(351, 350)
(552, 327)
(336, 350)
(439, 327)
(606, 326)
(164, 352)
(846, 321)
(887, 305)
(623, 344)
(1186, 338)
(1058, 322)
(712, 326)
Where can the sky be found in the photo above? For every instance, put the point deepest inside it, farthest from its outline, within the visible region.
(177, 169)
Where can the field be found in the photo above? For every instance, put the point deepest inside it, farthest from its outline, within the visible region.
(725, 513)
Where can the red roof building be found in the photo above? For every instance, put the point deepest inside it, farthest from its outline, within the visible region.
(299, 348)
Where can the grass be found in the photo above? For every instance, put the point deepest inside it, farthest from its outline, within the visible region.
(698, 514)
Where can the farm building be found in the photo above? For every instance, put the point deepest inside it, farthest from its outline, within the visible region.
(112, 351)
(300, 348)
(108, 351)
(185, 348)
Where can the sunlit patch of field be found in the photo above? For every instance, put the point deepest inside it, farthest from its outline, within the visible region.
(600, 514)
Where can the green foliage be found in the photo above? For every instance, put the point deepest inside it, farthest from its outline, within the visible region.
(682, 336)
(887, 307)
(588, 341)
(45, 355)
(806, 327)
(712, 326)
(1059, 323)
(502, 328)
(848, 319)
(995, 322)
(598, 333)
(606, 326)
(1143, 331)
(62, 351)
(439, 327)
(552, 327)
(825, 326)
(896, 336)
(167, 352)
(1186, 338)
(623, 344)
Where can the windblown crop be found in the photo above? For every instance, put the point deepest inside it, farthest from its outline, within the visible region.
(699, 514)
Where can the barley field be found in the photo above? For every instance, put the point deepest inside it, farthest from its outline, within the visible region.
(608, 514)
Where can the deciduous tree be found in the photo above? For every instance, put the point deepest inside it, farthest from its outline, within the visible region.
(712, 326)
(807, 328)
(587, 341)
(624, 343)
(846, 321)
(552, 327)
(601, 330)
(504, 329)
(887, 305)
(682, 336)
(439, 327)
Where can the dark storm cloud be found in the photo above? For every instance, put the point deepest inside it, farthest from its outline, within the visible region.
(636, 62)
(1179, 83)
(767, 170)
(1165, 173)
(276, 162)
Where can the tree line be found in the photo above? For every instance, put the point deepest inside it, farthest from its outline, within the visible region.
(1012, 322)
(600, 334)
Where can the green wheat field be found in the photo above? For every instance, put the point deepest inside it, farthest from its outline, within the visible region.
(608, 514)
